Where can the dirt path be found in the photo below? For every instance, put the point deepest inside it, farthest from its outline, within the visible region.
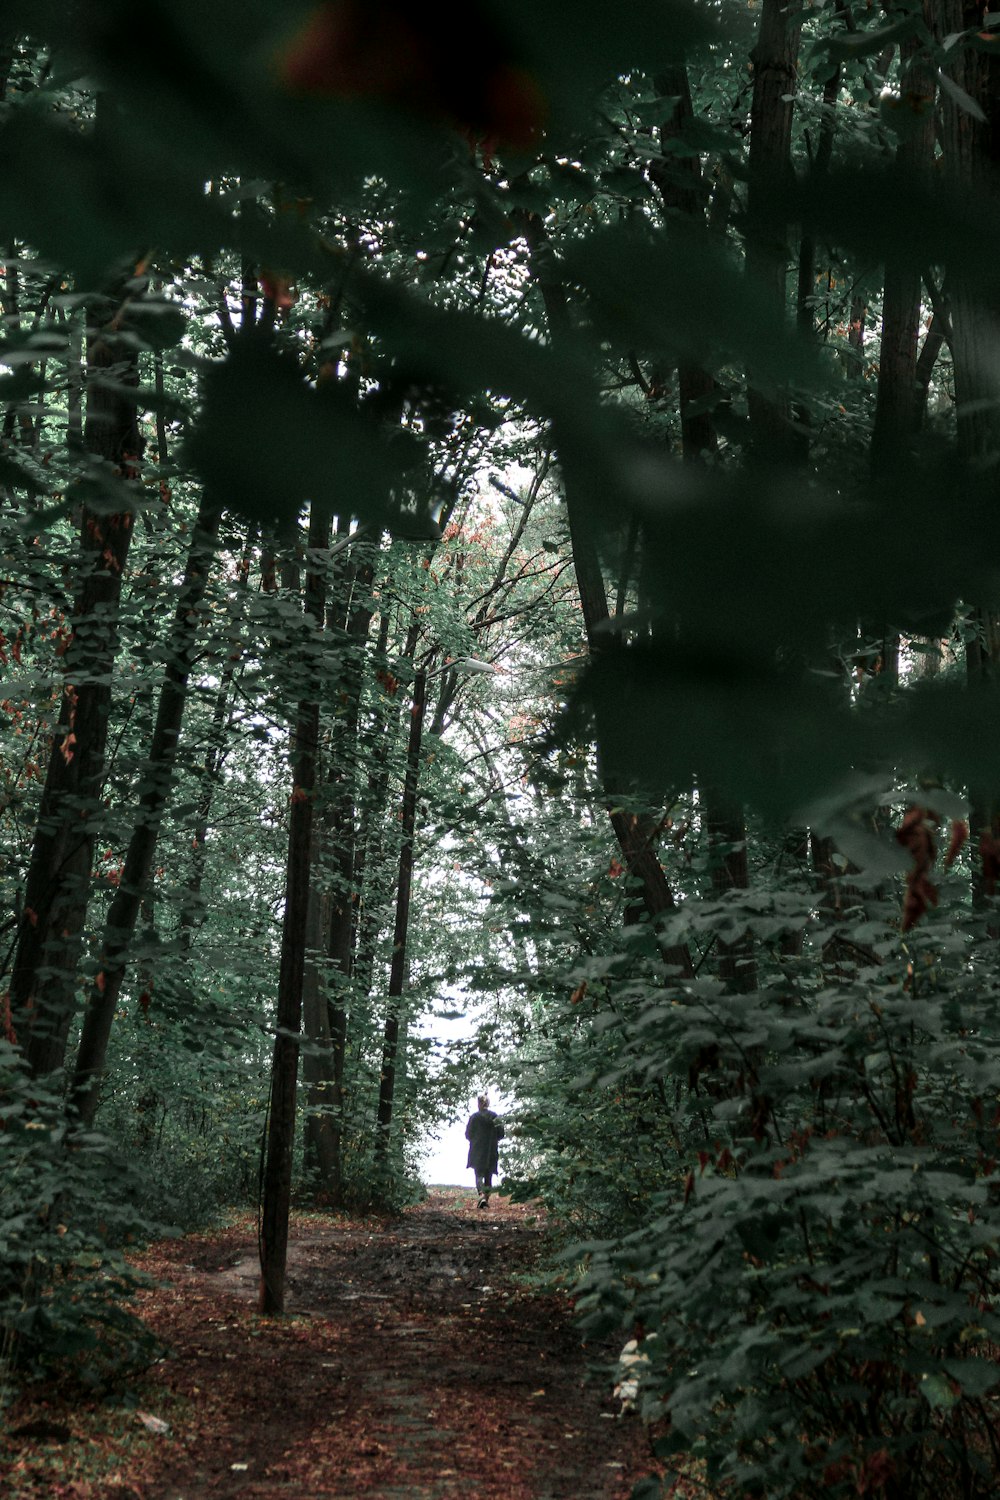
(415, 1361)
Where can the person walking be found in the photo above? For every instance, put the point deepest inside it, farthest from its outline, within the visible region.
(483, 1133)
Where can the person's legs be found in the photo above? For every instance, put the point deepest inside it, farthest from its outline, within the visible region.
(483, 1181)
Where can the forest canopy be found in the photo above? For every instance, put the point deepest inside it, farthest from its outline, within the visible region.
(495, 514)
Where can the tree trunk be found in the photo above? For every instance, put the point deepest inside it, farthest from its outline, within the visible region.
(321, 1141)
(795, 851)
(155, 784)
(972, 159)
(192, 905)
(397, 971)
(57, 888)
(325, 1071)
(374, 891)
(982, 667)
(727, 843)
(277, 1185)
(934, 341)
(856, 339)
(679, 180)
(774, 438)
(972, 163)
(635, 834)
(805, 316)
(896, 403)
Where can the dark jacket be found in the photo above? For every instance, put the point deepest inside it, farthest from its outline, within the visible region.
(483, 1132)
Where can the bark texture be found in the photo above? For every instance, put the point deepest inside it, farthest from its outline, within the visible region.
(635, 833)
(774, 437)
(727, 842)
(156, 781)
(349, 619)
(397, 970)
(678, 177)
(972, 150)
(277, 1184)
(43, 981)
(897, 402)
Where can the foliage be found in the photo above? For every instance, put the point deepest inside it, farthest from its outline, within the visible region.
(841, 1151)
(66, 1218)
(507, 327)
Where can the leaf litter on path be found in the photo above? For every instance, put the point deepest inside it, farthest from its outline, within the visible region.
(413, 1361)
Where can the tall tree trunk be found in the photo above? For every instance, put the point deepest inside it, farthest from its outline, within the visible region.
(397, 970)
(896, 403)
(982, 666)
(795, 853)
(375, 892)
(277, 1185)
(350, 619)
(75, 382)
(805, 316)
(856, 338)
(192, 905)
(972, 162)
(774, 438)
(155, 782)
(635, 834)
(679, 180)
(727, 842)
(43, 982)
(934, 340)
(321, 1134)
(369, 877)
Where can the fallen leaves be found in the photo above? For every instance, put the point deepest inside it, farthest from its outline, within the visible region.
(410, 1362)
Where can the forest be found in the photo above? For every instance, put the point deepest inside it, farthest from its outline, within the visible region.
(495, 512)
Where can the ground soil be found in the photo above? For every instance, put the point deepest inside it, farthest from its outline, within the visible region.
(418, 1357)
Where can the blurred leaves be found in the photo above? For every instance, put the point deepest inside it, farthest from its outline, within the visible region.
(743, 577)
(852, 45)
(266, 442)
(156, 325)
(93, 204)
(906, 218)
(797, 729)
(176, 100)
(684, 296)
(745, 583)
(961, 98)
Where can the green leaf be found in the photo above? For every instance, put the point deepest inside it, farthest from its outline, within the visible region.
(91, 205)
(854, 45)
(962, 99)
(876, 857)
(975, 1376)
(937, 1391)
(16, 473)
(157, 325)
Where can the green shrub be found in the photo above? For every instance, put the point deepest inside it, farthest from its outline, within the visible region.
(67, 1214)
(823, 1277)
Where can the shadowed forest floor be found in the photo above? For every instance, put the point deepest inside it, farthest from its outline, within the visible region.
(415, 1360)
